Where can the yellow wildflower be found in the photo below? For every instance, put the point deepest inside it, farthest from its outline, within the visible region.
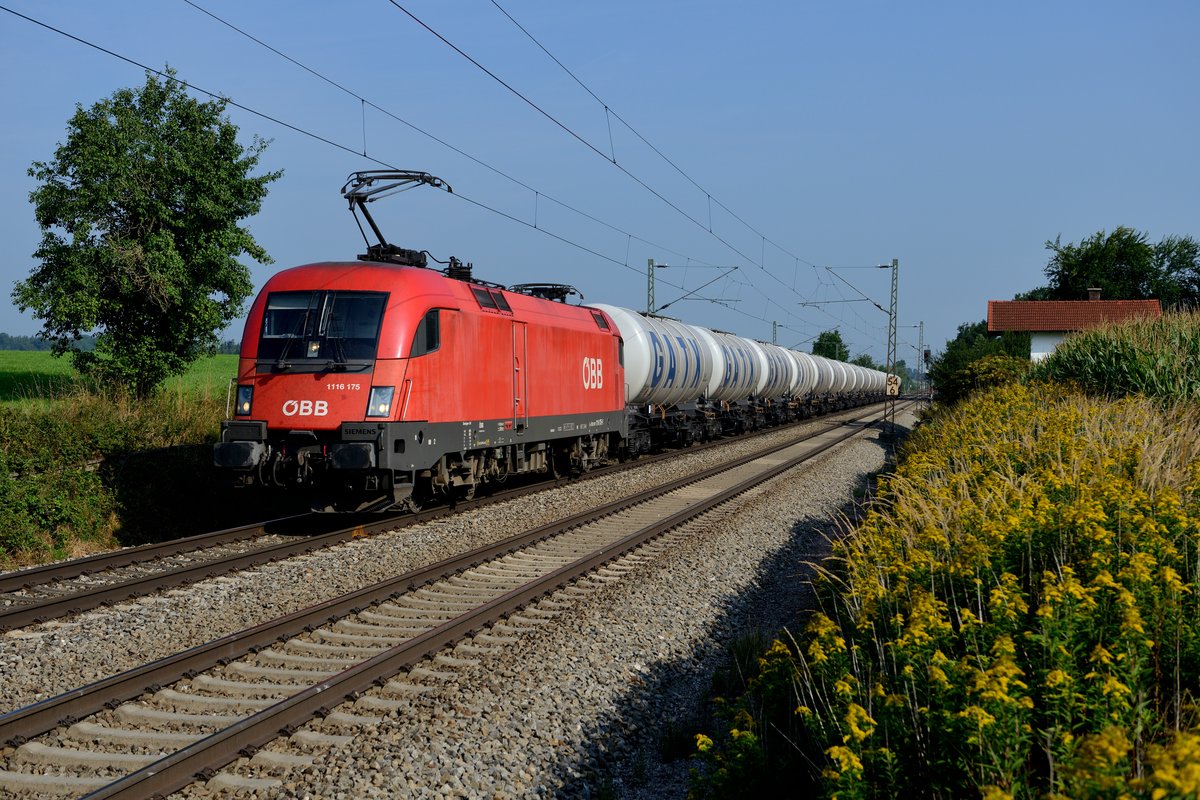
(859, 722)
(847, 761)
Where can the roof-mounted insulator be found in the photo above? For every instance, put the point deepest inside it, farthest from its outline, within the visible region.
(458, 270)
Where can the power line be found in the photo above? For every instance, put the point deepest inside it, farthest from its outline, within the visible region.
(433, 137)
(581, 139)
(537, 193)
(297, 129)
(645, 141)
(304, 132)
(607, 109)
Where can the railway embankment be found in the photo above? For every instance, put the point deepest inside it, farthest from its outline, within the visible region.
(88, 472)
(609, 671)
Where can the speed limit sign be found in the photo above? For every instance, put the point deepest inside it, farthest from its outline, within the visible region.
(893, 385)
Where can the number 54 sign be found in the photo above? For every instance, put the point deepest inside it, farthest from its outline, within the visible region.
(893, 385)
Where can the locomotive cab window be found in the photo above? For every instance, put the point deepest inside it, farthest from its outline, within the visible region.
(316, 330)
(600, 321)
(428, 336)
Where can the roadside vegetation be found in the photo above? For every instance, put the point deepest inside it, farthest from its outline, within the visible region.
(140, 266)
(1015, 615)
(84, 470)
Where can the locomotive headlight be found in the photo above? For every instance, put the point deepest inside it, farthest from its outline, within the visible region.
(380, 402)
(245, 396)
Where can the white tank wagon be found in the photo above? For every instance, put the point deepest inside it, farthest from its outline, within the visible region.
(855, 379)
(666, 362)
(839, 377)
(851, 371)
(669, 371)
(868, 376)
(685, 383)
(804, 376)
(826, 378)
(864, 383)
(775, 371)
(735, 371)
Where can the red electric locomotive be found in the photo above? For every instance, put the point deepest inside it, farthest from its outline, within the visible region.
(380, 383)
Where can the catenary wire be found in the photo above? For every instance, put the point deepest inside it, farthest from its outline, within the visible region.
(608, 109)
(317, 137)
(433, 137)
(297, 129)
(597, 151)
(579, 138)
(490, 167)
(537, 193)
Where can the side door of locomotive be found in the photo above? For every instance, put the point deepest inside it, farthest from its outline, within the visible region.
(520, 359)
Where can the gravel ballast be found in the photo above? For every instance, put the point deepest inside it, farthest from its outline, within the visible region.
(577, 708)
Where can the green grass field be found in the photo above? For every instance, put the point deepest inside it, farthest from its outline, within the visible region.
(36, 375)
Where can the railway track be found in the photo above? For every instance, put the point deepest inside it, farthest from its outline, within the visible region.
(53, 591)
(193, 713)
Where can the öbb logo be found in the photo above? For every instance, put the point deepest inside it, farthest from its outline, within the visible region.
(593, 373)
(306, 408)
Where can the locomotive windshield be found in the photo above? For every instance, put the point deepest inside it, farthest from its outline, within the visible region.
(321, 329)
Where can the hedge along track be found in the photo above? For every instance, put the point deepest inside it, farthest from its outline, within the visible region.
(226, 705)
(52, 591)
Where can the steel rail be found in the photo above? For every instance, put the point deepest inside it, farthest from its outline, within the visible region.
(20, 615)
(22, 724)
(202, 758)
(77, 567)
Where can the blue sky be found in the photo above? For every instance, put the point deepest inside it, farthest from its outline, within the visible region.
(955, 137)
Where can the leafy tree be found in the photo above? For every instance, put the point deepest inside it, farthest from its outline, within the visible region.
(951, 373)
(830, 345)
(865, 360)
(140, 241)
(1179, 257)
(1125, 266)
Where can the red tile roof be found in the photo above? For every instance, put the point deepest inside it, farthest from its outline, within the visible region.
(1064, 315)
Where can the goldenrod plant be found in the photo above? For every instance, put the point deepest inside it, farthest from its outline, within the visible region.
(1015, 618)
